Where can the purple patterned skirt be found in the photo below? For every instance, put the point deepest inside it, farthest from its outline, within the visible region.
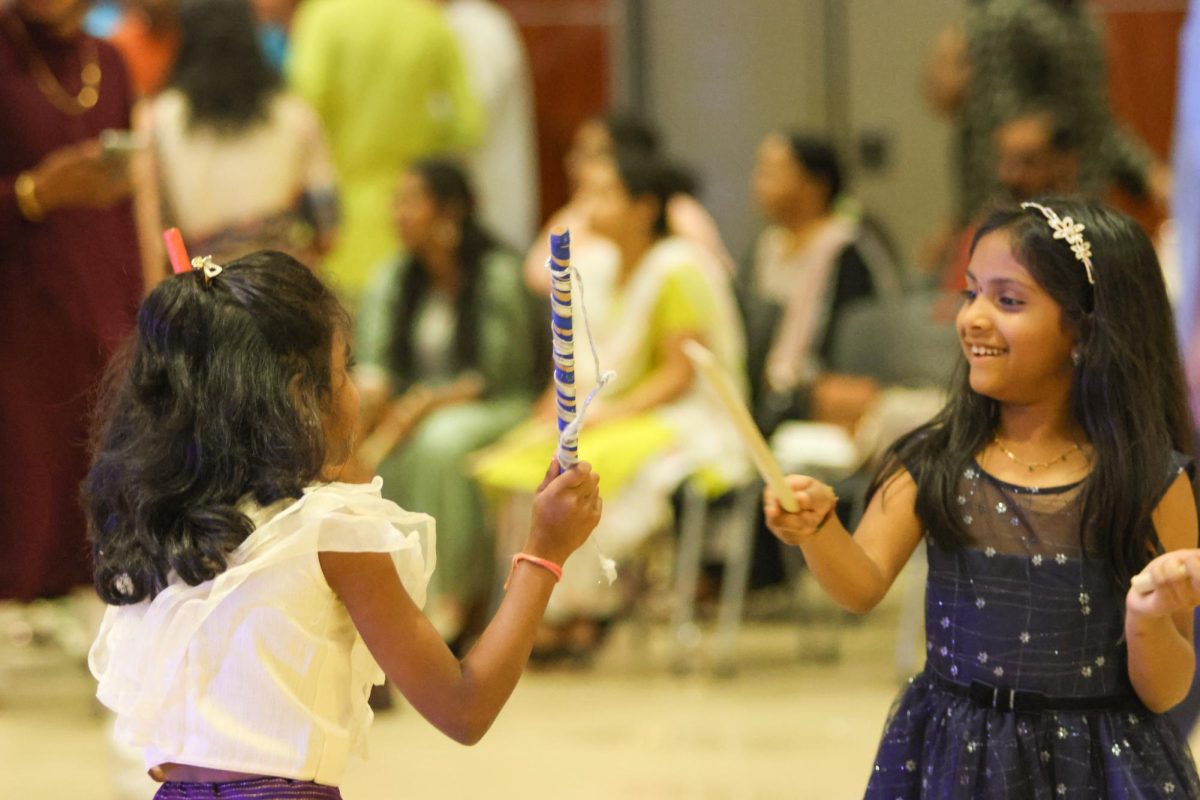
(252, 789)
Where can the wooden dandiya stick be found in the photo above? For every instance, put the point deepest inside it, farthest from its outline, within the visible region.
(176, 251)
(706, 364)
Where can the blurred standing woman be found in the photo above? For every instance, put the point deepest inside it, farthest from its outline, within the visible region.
(388, 82)
(70, 280)
(1014, 54)
(240, 164)
(445, 343)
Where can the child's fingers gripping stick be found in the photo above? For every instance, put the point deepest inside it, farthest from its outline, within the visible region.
(814, 502)
(1168, 584)
(552, 472)
(567, 510)
(1143, 583)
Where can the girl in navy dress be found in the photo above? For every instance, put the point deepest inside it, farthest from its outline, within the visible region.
(1051, 478)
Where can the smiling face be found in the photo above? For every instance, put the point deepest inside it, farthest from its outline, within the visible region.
(1011, 330)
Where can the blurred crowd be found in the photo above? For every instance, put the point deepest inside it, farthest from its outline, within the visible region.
(391, 146)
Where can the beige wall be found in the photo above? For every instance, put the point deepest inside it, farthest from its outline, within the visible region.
(721, 73)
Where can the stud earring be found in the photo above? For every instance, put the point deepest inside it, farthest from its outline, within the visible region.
(1076, 357)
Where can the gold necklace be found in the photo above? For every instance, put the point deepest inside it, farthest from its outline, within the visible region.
(1027, 465)
(52, 90)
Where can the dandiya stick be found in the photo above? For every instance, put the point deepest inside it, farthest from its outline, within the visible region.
(562, 328)
(768, 467)
(176, 251)
(563, 336)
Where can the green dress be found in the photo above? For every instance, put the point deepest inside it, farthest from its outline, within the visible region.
(426, 472)
(390, 87)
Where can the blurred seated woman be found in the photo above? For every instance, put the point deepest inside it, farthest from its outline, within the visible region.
(655, 426)
(809, 264)
(594, 142)
(238, 164)
(444, 342)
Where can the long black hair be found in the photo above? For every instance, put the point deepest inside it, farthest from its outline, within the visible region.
(645, 174)
(220, 67)
(1128, 392)
(218, 396)
(448, 186)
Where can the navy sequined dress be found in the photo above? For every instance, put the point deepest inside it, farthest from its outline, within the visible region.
(1024, 608)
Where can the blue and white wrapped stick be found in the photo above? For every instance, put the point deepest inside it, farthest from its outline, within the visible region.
(570, 414)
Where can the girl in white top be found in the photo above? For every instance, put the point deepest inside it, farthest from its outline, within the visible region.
(253, 599)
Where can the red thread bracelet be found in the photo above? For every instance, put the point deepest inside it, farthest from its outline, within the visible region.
(554, 569)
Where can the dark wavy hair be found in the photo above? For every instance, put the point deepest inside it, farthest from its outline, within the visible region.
(645, 174)
(448, 186)
(1128, 392)
(220, 67)
(217, 397)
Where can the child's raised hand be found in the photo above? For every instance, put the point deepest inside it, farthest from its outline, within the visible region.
(816, 502)
(566, 509)
(1173, 581)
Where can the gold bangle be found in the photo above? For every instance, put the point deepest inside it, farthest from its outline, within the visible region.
(27, 201)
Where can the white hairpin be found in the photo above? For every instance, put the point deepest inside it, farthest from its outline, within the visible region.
(210, 268)
(1071, 232)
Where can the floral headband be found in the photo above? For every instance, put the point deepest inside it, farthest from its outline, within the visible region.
(1072, 232)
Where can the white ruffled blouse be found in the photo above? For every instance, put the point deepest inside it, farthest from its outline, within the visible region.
(261, 669)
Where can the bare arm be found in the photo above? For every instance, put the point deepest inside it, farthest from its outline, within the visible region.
(856, 571)
(462, 699)
(1158, 625)
(672, 377)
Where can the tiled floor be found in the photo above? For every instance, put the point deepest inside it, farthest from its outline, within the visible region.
(784, 727)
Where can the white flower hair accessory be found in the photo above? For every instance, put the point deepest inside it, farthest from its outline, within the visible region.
(1070, 231)
(210, 268)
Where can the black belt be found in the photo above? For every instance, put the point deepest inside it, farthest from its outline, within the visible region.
(1001, 698)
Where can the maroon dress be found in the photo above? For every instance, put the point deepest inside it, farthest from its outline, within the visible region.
(69, 290)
